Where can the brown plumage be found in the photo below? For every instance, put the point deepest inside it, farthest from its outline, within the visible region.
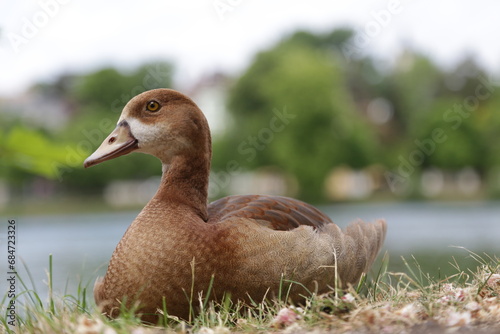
(245, 245)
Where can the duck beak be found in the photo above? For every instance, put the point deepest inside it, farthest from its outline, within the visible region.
(118, 143)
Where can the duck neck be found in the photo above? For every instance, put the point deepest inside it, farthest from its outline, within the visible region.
(185, 182)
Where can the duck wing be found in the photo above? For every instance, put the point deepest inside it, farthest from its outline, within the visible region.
(276, 212)
(351, 250)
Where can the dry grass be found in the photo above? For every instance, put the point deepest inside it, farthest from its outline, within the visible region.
(406, 302)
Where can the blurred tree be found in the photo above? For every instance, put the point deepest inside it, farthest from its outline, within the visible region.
(111, 89)
(298, 115)
(412, 86)
(462, 79)
(487, 120)
(330, 41)
(447, 139)
(102, 87)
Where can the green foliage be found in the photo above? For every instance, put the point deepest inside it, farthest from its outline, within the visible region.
(111, 89)
(101, 87)
(487, 121)
(460, 143)
(31, 151)
(323, 129)
(329, 96)
(414, 84)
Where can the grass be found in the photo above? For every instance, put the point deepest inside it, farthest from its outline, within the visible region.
(391, 302)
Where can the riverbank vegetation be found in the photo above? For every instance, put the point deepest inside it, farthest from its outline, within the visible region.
(410, 301)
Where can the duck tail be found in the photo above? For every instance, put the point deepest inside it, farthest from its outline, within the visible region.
(356, 249)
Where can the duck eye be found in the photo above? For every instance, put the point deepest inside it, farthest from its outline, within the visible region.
(153, 106)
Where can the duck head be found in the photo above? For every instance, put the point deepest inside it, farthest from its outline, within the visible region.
(160, 122)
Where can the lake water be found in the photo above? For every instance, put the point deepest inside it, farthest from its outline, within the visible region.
(81, 244)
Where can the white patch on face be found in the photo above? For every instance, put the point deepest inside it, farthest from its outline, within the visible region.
(156, 139)
(150, 137)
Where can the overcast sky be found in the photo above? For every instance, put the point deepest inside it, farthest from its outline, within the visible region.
(43, 38)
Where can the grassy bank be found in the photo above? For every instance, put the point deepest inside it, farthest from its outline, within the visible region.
(406, 301)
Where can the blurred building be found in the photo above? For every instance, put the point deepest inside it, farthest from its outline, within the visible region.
(37, 107)
(210, 94)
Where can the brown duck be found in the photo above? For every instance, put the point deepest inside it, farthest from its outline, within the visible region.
(241, 246)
